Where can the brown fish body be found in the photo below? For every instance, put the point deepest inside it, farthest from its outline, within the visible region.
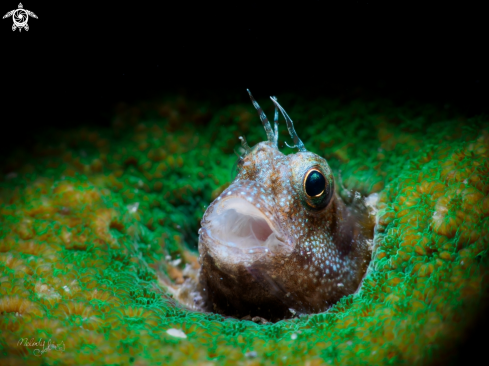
(269, 248)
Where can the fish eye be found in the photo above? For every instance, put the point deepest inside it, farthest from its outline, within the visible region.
(317, 190)
(314, 183)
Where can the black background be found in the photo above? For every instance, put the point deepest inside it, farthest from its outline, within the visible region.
(78, 60)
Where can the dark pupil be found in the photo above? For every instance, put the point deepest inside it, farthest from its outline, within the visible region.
(315, 183)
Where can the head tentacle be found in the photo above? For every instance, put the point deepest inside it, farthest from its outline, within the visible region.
(275, 124)
(263, 118)
(290, 147)
(290, 126)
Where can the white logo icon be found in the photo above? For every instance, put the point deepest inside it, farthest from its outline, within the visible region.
(20, 17)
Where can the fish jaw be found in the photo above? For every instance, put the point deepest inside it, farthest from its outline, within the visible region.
(242, 247)
(242, 225)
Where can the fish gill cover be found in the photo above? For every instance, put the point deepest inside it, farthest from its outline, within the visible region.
(98, 232)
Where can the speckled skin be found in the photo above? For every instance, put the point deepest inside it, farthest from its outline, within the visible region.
(325, 252)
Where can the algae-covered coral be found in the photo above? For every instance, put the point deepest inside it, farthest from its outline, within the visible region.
(99, 231)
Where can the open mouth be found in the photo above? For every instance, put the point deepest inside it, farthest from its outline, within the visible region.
(237, 223)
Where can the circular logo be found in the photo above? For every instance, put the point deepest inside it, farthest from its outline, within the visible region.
(20, 17)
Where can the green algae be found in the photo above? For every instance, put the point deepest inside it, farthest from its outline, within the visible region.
(98, 226)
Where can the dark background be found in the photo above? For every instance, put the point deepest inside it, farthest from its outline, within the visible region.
(78, 61)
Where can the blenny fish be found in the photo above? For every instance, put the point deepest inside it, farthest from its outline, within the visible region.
(280, 240)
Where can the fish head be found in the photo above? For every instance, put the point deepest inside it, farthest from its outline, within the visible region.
(269, 209)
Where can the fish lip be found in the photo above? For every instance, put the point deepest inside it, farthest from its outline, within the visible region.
(219, 247)
(211, 242)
